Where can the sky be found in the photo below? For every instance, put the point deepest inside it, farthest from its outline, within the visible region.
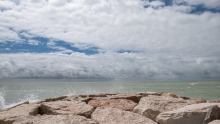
(110, 39)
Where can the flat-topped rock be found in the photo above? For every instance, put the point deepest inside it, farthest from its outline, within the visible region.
(191, 114)
(8, 116)
(123, 104)
(152, 106)
(66, 107)
(55, 119)
(107, 115)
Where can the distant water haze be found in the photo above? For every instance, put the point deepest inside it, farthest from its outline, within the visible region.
(15, 91)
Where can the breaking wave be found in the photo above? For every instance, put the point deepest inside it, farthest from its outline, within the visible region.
(27, 97)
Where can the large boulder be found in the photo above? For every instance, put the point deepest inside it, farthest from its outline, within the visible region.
(54, 119)
(66, 107)
(152, 106)
(8, 116)
(107, 115)
(191, 114)
(123, 104)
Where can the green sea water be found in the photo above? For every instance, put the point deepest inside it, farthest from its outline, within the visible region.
(16, 91)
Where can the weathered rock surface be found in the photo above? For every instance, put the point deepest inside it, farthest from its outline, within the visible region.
(66, 107)
(55, 119)
(107, 115)
(152, 106)
(10, 115)
(191, 114)
(215, 122)
(123, 104)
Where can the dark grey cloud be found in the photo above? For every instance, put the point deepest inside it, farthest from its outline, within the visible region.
(107, 66)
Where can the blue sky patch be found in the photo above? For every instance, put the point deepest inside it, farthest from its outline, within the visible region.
(197, 9)
(44, 45)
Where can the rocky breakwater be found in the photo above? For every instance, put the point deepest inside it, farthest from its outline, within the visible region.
(115, 108)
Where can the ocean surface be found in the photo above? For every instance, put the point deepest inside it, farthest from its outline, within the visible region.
(15, 91)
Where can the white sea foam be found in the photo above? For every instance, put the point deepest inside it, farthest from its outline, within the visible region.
(27, 97)
(194, 84)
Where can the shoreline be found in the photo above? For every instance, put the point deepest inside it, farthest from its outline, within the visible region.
(131, 107)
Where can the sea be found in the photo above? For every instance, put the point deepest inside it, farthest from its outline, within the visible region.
(16, 91)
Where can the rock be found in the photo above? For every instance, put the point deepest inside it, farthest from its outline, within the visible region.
(10, 115)
(184, 97)
(130, 96)
(215, 101)
(78, 98)
(170, 95)
(150, 93)
(197, 100)
(123, 104)
(190, 114)
(66, 107)
(106, 115)
(55, 119)
(52, 99)
(102, 94)
(151, 106)
(215, 122)
(212, 114)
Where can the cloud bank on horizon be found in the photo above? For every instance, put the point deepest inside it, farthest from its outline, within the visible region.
(110, 39)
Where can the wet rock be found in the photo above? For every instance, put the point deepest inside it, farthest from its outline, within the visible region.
(190, 114)
(55, 119)
(66, 107)
(106, 115)
(10, 115)
(152, 106)
(123, 104)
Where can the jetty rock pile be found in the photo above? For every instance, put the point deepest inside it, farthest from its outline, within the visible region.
(115, 108)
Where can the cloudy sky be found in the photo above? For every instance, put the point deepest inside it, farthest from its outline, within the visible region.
(110, 39)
